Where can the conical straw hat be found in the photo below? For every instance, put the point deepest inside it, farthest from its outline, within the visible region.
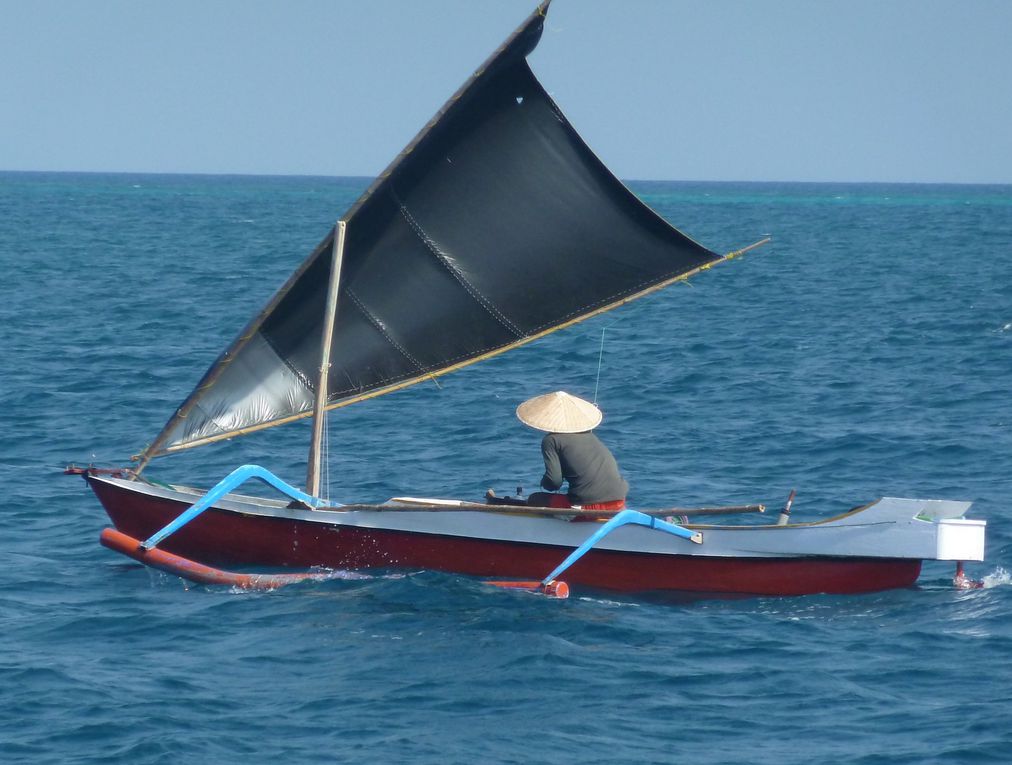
(559, 412)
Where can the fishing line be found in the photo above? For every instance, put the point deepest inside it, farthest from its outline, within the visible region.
(600, 356)
(600, 360)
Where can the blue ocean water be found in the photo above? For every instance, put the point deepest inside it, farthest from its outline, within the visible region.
(866, 352)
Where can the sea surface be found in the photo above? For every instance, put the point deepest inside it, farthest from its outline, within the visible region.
(866, 352)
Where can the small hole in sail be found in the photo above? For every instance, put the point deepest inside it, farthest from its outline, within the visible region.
(520, 99)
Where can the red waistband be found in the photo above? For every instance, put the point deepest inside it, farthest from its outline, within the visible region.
(617, 504)
(563, 501)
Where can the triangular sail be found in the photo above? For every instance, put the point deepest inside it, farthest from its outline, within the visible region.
(496, 225)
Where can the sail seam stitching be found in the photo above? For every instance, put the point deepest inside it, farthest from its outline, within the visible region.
(209, 419)
(379, 328)
(299, 374)
(445, 261)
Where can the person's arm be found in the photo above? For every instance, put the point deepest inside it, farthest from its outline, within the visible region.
(552, 479)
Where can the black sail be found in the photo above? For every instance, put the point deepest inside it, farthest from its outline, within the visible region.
(496, 225)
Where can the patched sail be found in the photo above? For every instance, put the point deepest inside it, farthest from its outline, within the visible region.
(495, 226)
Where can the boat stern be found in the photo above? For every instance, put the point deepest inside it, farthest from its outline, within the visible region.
(957, 537)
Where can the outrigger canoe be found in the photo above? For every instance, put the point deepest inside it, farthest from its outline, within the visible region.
(875, 547)
(465, 247)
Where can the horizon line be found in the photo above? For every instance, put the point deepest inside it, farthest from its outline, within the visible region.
(209, 174)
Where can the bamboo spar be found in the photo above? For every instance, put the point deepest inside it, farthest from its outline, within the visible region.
(320, 405)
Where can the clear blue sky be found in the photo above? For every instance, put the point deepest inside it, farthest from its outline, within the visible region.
(837, 90)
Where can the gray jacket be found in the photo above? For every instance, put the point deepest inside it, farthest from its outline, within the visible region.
(588, 466)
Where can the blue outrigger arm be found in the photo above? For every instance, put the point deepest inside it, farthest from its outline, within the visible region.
(232, 481)
(623, 518)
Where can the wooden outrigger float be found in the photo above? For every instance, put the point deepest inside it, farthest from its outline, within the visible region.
(427, 272)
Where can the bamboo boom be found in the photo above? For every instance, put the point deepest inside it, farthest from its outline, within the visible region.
(320, 406)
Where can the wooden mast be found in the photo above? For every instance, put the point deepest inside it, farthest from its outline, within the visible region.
(320, 406)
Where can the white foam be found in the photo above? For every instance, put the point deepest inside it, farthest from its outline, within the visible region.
(997, 578)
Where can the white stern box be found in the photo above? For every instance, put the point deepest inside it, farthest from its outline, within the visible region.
(960, 539)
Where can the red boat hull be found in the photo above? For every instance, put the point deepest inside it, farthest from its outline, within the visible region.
(226, 537)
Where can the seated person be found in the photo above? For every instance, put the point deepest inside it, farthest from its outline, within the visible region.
(573, 454)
